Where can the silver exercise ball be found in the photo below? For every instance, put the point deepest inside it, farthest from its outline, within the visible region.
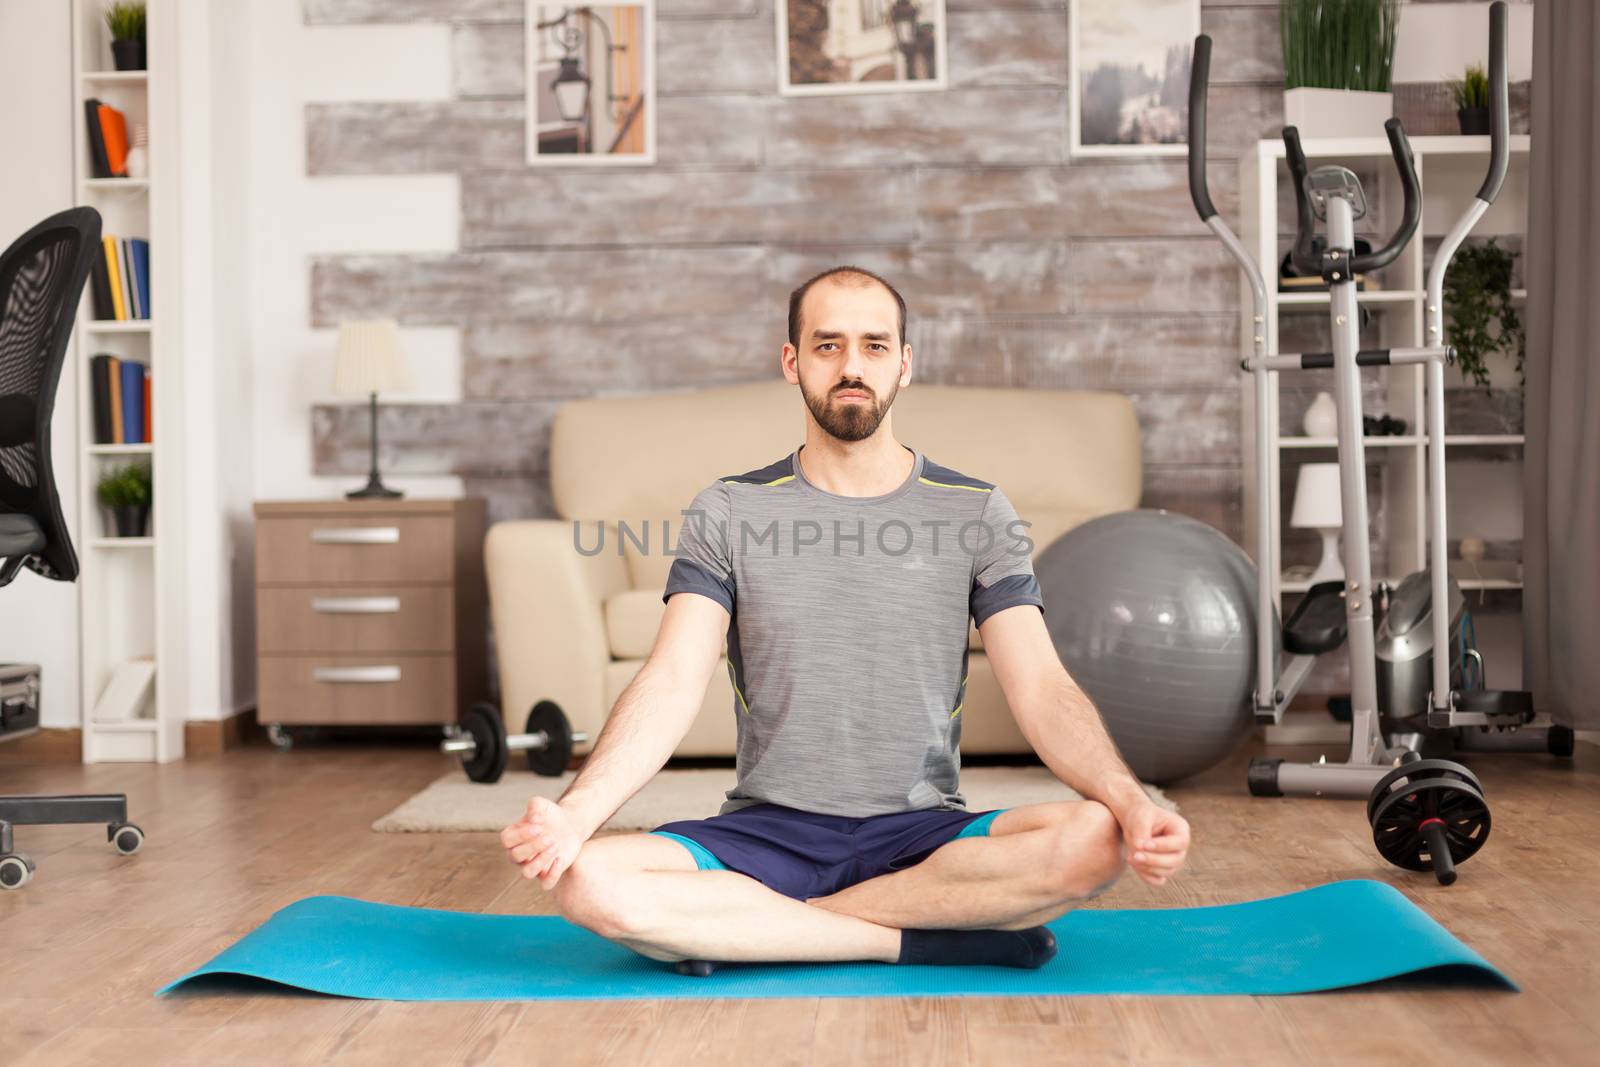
(1153, 614)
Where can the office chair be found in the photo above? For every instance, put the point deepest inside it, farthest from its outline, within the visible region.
(42, 276)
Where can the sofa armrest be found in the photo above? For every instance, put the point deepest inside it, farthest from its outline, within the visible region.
(547, 604)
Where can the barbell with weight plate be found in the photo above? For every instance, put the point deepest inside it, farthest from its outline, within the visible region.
(485, 748)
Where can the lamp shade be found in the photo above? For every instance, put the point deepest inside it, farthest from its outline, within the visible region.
(572, 90)
(1316, 497)
(903, 17)
(370, 359)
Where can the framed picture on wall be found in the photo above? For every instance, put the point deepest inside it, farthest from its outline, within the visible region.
(591, 83)
(1130, 75)
(860, 46)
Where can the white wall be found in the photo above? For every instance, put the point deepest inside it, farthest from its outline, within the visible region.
(234, 274)
(39, 618)
(269, 219)
(293, 217)
(1436, 42)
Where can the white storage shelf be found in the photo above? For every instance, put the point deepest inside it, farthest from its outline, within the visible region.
(120, 595)
(1455, 166)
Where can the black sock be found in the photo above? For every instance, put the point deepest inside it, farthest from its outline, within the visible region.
(1033, 947)
(1030, 948)
(695, 968)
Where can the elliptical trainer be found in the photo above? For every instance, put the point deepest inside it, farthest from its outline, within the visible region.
(1333, 612)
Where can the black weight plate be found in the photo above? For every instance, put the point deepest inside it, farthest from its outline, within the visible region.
(488, 761)
(1396, 825)
(1416, 771)
(548, 718)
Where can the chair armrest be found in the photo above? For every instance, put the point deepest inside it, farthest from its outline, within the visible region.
(547, 604)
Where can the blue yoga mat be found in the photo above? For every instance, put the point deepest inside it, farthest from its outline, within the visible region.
(1327, 937)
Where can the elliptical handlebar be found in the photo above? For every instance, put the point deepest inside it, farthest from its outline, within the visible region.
(1499, 105)
(1305, 226)
(1411, 212)
(1199, 82)
(1410, 215)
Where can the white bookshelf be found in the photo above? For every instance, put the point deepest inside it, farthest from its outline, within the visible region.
(129, 588)
(1450, 170)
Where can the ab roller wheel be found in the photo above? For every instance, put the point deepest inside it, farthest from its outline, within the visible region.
(1429, 815)
(485, 748)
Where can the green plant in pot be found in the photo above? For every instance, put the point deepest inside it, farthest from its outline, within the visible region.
(1483, 321)
(1472, 100)
(127, 492)
(1338, 60)
(125, 20)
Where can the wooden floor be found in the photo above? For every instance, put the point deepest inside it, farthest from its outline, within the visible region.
(232, 839)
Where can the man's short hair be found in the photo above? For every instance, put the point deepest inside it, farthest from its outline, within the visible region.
(865, 276)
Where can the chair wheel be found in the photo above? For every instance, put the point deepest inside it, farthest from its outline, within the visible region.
(15, 871)
(126, 837)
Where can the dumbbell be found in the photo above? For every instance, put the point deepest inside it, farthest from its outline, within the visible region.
(484, 747)
(1429, 814)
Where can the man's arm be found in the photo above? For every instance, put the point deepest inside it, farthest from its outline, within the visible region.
(653, 713)
(1055, 715)
(1064, 727)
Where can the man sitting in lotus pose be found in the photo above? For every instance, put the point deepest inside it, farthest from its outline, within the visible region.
(842, 578)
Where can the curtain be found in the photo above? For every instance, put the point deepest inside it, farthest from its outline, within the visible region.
(1561, 505)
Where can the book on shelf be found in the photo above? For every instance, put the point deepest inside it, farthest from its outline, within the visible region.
(100, 288)
(1314, 284)
(139, 256)
(125, 269)
(120, 279)
(108, 139)
(121, 398)
(125, 695)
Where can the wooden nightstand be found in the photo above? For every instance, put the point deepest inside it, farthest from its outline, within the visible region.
(370, 611)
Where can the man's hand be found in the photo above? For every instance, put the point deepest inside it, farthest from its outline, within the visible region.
(1157, 840)
(544, 842)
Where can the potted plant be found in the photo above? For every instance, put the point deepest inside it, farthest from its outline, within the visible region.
(125, 20)
(1472, 101)
(1338, 56)
(127, 492)
(1477, 290)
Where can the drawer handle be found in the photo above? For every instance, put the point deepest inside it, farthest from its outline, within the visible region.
(355, 605)
(357, 535)
(388, 673)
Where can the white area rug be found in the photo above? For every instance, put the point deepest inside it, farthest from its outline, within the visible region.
(453, 803)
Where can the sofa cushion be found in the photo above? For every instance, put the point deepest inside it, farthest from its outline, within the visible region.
(632, 619)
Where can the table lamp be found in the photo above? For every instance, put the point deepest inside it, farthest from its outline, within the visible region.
(1317, 507)
(370, 361)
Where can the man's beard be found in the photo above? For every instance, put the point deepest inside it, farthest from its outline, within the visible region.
(849, 421)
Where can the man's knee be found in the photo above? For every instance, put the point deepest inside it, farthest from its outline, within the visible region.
(1087, 857)
(590, 894)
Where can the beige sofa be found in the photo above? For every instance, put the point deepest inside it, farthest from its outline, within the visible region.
(575, 628)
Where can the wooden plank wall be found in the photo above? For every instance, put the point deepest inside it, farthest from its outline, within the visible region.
(1021, 267)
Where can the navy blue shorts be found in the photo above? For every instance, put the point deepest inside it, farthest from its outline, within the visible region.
(804, 854)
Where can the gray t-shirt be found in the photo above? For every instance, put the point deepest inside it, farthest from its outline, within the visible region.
(848, 639)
